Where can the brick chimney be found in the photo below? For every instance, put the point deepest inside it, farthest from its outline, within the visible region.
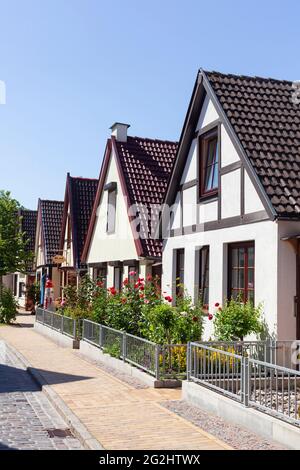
(119, 131)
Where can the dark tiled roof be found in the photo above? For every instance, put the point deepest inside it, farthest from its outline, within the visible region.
(267, 124)
(147, 166)
(28, 227)
(83, 192)
(51, 219)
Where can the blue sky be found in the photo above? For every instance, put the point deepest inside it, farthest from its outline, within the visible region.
(72, 68)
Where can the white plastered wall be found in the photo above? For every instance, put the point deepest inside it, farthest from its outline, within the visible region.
(119, 245)
(68, 252)
(265, 236)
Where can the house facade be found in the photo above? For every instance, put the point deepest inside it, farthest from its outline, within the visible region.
(18, 282)
(235, 198)
(79, 199)
(47, 242)
(132, 183)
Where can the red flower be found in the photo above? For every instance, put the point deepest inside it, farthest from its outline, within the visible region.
(217, 304)
(210, 316)
(140, 279)
(132, 273)
(149, 277)
(112, 290)
(168, 298)
(123, 300)
(195, 318)
(100, 284)
(125, 282)
(142, 296)
(142, 287)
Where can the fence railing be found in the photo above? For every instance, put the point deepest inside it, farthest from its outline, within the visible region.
(163, 362)
(268, 387)
(57, 322)
(132, 349)
(216, 368)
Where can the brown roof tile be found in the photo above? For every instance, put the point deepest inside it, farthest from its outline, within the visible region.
(267, 124)
(147, 165)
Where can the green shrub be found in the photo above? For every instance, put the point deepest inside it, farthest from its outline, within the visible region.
(236, 320)
(8, 306)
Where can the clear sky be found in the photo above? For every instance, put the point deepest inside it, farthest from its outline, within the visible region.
(73, 67)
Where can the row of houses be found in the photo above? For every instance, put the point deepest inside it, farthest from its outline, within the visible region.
(218, 211)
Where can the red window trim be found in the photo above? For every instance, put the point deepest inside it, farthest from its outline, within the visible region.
(245, 289)
(202, 143)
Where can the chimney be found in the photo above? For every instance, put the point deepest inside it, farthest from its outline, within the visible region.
(119, 131)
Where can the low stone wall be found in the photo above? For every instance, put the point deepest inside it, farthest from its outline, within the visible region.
(60, 339)
(96, 354)
(234, 412)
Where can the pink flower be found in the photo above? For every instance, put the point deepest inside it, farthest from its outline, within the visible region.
(146, 301)
(63, 302)
(210, 316)
(132, 273)
(149, 277)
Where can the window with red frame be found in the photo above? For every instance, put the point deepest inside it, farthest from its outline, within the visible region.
(241, 271)
(209, 158)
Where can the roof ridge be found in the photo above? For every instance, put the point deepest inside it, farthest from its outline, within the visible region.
(174, 142)
(83, 178)
(246, 77)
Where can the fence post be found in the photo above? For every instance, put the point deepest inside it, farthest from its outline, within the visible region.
(62, 325)
(74, 329)
(124, 347)
(245, 380)
(188, 361)
(43, 316)
(157, 351)
(101, 337)
(52, 318)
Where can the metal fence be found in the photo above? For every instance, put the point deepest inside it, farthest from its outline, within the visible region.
(132, 349)
(217, 369)
(57, 322)
(268, 387)
(260, 350)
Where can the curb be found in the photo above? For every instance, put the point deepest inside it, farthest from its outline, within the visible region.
(76, 426)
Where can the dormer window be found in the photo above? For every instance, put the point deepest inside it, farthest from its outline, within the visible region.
(209, 159)
(111, 189)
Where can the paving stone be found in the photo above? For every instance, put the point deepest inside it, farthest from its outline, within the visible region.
(26, 413)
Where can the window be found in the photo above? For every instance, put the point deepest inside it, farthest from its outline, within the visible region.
(241, 271)
(68, 232)
(100, 274)
(209, 158)
(133, 268)
(179, 281)
(203, 276)
(111, 210)
(118, 271)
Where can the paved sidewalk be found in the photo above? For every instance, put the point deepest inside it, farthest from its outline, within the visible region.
(27, 418)
(118, 415)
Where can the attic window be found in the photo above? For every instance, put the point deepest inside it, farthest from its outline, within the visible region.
(111, 209)
(209, 159)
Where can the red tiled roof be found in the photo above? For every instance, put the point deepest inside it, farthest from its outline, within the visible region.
(28, 227)
(51, 219)
(267, 123)
(147, 165)
(83, 192)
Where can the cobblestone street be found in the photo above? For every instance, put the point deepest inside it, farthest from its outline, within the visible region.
(27, 419)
